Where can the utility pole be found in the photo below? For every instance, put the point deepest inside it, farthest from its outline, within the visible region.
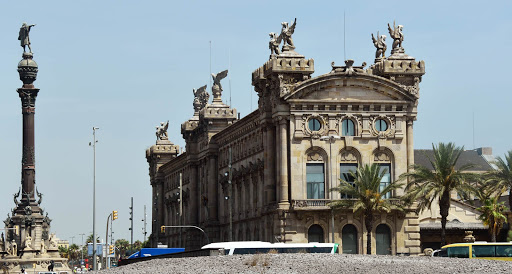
(131, 227)
(230, 178)
(144, 232)
(180, 199)
(94, 263)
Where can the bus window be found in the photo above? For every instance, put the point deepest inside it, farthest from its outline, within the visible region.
(458, 252)
(483, 251)
(504, 251)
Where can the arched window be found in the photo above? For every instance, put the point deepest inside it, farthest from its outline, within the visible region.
(349, 239)
(315, 234)
(347, 128)
(315, 175)
(383, 239)
(348, 164)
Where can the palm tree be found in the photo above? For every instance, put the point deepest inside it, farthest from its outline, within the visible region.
(492, 215)
(501, 178)
(367, 198)
(426, 185)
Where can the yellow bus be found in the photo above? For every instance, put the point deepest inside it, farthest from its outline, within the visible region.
(477, 250)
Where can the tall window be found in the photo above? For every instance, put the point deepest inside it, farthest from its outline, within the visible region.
(345, 169)
(386, 180)
(347, 128)
(315, 178)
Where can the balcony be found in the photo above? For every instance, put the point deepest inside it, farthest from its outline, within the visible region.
(322, 204)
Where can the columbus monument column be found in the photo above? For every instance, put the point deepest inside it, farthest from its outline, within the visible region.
(28, 243)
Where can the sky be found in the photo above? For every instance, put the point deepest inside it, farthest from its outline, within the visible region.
(126, 66)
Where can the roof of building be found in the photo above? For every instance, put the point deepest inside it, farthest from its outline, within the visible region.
(481, 161)
(455, 224)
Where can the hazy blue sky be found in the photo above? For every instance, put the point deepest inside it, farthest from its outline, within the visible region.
(125, 66)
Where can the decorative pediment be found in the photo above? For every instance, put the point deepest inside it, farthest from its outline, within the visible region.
(340, 87)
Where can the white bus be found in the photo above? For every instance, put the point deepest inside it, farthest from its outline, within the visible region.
(256, 247)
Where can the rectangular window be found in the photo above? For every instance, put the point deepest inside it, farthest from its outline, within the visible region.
(345, 175)
(386, 179)
(503, 250)
(458, 252)
(315, 178)
(484, 251)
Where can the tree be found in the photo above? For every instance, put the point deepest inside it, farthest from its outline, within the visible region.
(123, 246)
(501, 178)
(425, 185)
(492, 215)
(366, 197)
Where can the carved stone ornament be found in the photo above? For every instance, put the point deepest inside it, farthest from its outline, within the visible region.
(389, 132)
(286, 35)
(324, 126)
(381, 156)
(315, 156)
(349, 68)
(398, 38)
(201, 97)
(414, 89)
(217, 87)
(348, 156)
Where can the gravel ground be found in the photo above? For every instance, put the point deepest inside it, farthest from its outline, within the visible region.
(315, 263)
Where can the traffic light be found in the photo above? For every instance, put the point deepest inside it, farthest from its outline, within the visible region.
(162, 229)
(114, 214)
(110, 249)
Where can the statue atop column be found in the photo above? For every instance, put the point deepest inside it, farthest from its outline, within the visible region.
(398, 38)
(380, 45)
(217, 87)
(201, 98)
(161, 131)
(24, 36)
(286, 35)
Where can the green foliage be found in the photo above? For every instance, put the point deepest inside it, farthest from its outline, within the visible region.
(366, 196)
(492, 215)
(501, 178)
(425, 185)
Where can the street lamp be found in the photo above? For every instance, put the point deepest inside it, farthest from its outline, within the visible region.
(94, 265)
(82, 250)
(331, 139)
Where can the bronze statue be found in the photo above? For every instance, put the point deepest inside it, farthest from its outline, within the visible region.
(286, 33)
(380, 44)
(396, 34)
(24, 36)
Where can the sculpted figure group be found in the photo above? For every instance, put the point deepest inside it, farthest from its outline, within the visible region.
(161, 131)
(287, 31)
(380, 41)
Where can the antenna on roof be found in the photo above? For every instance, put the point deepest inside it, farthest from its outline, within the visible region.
(229, 75)
(344, 45)
(473, 130)
(209, 76)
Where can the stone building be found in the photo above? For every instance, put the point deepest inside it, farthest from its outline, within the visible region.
(280, 161)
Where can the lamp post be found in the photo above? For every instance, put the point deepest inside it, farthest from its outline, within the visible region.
(82, 250)
(94, 264)
(331, 139)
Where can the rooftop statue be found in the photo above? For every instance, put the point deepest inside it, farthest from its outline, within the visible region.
(397, 35)
(201, 97)
(161, 131)
(380, 44)
(24, 36)
(274, 43)
(217, 77)
(286, 34)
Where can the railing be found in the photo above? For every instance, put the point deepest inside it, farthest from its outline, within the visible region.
(324, 202)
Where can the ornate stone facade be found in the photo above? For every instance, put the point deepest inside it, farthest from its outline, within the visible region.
(270, 151)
